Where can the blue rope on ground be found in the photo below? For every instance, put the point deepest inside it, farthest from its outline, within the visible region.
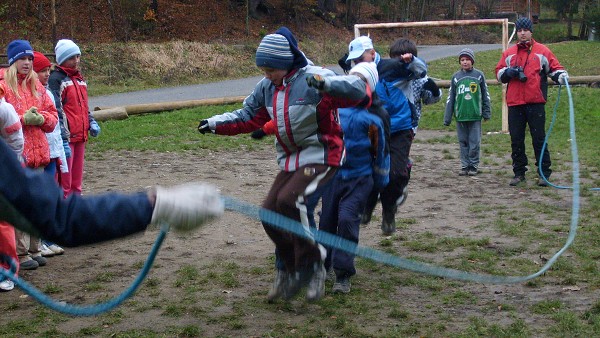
(572, 110)
(88, 310)
(293, 226)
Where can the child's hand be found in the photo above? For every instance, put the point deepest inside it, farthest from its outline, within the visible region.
(33, 118)
(407, 58)
(316, 81)
(94, 129)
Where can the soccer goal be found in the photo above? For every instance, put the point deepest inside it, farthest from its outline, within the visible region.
(449, 23)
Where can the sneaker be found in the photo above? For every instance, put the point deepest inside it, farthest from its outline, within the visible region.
(7, 285)
(473, 172)
(316, 285)
(516, 180)
(463, 172)
(542, 182)
(40, 260)
(388, 225)
(292, 285)
(342, 285)
(29, 264)
(278, 287)
(56, 249)
(46, 252)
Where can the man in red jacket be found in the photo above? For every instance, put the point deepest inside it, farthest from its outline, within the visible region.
(525, 67)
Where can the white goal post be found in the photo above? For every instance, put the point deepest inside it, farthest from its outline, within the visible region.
(450, 23)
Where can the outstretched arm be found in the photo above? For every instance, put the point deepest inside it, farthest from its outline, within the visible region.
(79, 220)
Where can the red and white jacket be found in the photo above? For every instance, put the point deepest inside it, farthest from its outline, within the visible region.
(71, 97)
(538, 62)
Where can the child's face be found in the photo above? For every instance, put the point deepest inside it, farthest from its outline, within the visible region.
(275, 75)
(466, 63)
(72, 62)
(367, 56)
(24, 65)
(43, 75)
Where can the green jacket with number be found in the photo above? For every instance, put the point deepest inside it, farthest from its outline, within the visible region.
(468, 98)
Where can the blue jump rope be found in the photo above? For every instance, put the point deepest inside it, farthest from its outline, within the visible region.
(324, 238)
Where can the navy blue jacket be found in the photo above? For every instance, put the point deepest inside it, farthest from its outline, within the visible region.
(73, 221)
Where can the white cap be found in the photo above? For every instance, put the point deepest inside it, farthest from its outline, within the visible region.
(358, 46)
(369, 71)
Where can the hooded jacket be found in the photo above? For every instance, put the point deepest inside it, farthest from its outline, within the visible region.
(70, 95)
(36, 152)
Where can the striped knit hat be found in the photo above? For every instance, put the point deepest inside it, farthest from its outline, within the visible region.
(369, 71)
(274, 52)
(65, 49)
(468, 53)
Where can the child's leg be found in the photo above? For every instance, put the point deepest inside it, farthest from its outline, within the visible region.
(8, 245)
(474, 143)
(348, 226)
(65, 178)
(76, 169)
(462, 132)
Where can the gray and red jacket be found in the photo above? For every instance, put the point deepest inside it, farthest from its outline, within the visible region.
(538, 62)
(307, 122)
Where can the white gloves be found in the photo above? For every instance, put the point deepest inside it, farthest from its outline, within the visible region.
(188, 206)
(563, 78)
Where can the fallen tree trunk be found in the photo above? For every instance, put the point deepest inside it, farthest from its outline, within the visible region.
(116, 113)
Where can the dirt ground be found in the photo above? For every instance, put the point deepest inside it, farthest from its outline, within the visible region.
(439, 201)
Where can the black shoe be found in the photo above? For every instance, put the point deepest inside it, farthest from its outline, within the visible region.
(29, 265)
(473, 171)
(463, 172)
(516, 180)
(40, 260)
(542, 182)
(388, 225)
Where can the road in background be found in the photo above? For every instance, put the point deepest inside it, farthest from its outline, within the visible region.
(242, 87)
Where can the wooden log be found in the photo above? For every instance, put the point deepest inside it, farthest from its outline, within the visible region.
(116, 113)
(573, 80)
(166, 106)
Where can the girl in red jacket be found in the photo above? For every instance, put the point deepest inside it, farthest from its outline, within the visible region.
(70, 95)
(37, 116)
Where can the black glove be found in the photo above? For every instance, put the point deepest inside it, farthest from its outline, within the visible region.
(316, 81)
(258, 134)
(203, 127)
(509, 74)
(432, 87)
(346, 65)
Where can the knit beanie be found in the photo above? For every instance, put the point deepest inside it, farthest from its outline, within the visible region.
(468, 53)
(369, 71)
(65, 49)
(17, 49)
(300, 60)
(524, 23)
(274, 52)
(40, 61)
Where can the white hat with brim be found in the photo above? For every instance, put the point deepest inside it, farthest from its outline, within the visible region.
(358, 46)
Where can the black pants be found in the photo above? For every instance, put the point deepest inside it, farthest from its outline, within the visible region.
(400, 143)
(518, 118)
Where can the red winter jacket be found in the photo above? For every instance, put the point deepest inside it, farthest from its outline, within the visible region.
(70, 94)
(538, 62)
(36, 151)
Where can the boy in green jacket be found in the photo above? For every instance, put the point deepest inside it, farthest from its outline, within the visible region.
(469, 102)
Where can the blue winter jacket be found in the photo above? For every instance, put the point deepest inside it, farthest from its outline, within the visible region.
(364, 138)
